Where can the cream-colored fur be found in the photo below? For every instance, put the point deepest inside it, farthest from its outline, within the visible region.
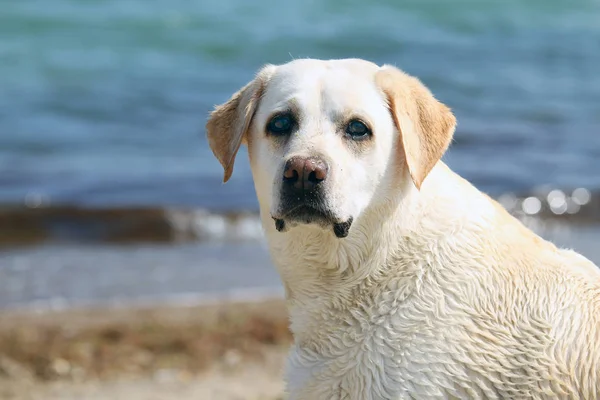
(436, 292)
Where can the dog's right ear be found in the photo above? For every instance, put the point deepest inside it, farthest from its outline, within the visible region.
(228, 124)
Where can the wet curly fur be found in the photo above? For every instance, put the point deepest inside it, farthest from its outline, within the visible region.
(436, 292)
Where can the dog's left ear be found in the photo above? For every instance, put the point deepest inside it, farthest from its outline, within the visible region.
(228, 124)
(425, 125)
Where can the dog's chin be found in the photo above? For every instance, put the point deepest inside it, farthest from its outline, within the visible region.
(307, 215)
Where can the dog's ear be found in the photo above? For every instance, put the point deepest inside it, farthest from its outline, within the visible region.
(426, 126)
(228, 124)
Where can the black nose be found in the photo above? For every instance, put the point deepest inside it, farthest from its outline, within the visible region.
(304, 174)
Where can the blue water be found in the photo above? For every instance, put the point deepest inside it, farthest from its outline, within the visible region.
(103, 102)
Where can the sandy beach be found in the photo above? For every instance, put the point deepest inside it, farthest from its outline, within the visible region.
(222, 351)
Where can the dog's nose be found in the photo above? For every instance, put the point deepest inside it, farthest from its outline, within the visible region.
(303, 174)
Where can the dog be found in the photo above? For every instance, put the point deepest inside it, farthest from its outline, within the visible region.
(402, 280)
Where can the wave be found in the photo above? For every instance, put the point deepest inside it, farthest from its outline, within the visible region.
(25, 225)
(34, 223)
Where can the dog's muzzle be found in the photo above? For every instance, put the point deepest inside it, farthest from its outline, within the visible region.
(302, 197)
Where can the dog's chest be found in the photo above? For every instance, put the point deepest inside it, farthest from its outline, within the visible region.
(419, 343)
(390, 348)
(373, 368)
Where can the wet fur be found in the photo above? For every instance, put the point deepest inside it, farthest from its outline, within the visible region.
(436, 292)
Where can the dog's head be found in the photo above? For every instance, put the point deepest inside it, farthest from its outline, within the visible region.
(329, 139)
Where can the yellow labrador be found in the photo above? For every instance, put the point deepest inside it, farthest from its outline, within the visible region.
(402, 280)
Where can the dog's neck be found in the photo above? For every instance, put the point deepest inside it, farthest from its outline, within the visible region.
(321, 272)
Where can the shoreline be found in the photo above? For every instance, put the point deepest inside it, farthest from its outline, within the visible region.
(71, 275)
(175, 300)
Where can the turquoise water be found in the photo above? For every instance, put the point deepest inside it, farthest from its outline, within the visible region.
(103, 102)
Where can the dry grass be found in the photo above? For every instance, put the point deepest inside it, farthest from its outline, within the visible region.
(103, 344)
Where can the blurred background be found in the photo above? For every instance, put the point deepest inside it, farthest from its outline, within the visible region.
(111, 196)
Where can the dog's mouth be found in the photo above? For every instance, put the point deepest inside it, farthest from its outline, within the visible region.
(306, 214)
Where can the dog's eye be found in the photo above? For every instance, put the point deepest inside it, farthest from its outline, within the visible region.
(281, 124)
(357, 130)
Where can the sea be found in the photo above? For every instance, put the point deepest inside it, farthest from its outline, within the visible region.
(110, 195)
